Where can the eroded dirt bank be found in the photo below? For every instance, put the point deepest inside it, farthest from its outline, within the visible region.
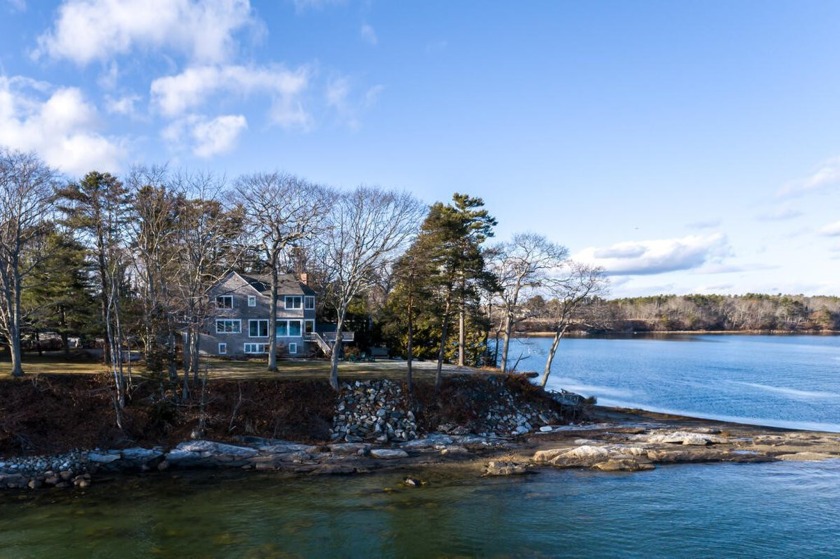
(59, 431)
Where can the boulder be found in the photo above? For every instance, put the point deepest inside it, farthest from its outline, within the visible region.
(683, 437)
(388, 453)
(505, 468)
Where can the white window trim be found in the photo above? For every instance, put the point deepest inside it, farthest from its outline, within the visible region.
(292, 348)
(222, 348)
(252, 300)
(308, 321)
(255, 348)
(308, 302)
(228, 297)
(231, 320)
(287, 322)
(293, 297)
(251, 321)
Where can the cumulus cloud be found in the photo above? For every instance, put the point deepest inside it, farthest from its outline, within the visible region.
(60, 125)
(368, 34)
(96, 30)
(656, 256)
(826, 175)
(175, 95)
(206, 137)
(831, 230)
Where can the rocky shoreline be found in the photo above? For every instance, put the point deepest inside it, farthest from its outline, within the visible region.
(615, 441)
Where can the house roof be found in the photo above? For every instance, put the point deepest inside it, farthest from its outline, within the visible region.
(287, 284)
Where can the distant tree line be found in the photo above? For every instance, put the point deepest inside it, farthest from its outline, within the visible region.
(751, 312)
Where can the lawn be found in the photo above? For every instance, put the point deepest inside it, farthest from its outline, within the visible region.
(229, 369)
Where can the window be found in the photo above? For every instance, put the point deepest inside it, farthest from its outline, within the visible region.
(308, 326)
(252, 300)
(224, 302)
(294, 302)
(258, 328)
(228, 326)
(309, 302)
(292, 348)
(222, 348)
(256, 348)
(288, 328)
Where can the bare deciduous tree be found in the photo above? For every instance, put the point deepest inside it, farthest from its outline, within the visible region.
(282, 211)
(523, 267)
(576, 284)
(207, 249)
(26, 187)
(367, 229)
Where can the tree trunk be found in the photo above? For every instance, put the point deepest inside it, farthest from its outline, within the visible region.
(409, 347)
(554, 343)
(272, 321)
(336, 350)
(506, 342)
(14, 328)
(15, 352)
(443, 335)
(462, 330)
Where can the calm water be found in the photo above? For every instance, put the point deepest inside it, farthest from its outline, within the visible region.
(767, 510)
(784, 509)
(783, 381)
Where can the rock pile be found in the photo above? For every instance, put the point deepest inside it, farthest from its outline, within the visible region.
(508, 417)
(376, 411)
(63, 470)
(373, 411)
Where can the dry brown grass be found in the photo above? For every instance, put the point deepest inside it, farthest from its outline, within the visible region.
(303, 369)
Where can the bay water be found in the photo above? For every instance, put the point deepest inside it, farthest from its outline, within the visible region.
(783, 509)
(780, 381)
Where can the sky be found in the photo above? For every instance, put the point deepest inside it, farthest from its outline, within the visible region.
(685, 147)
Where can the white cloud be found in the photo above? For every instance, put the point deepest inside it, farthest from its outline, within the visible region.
(831, 230)
(123, 105)
(206, 137)
(98, 30)
(368, 34)
(59, 125)
(176, 95)
(348, 106)
(656, 256)
(826, 175)
(336, 94)
(219, 135)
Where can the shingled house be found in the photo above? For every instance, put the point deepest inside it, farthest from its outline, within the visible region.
(239, 324)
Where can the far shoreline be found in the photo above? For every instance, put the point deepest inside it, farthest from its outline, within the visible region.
(666, 333)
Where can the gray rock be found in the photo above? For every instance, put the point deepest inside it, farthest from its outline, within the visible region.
(388, 453)
(505, 468)
(99, 458)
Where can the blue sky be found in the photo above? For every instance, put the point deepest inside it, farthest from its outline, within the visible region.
(687, 147)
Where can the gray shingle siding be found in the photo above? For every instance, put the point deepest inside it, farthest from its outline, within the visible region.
(239, 324)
